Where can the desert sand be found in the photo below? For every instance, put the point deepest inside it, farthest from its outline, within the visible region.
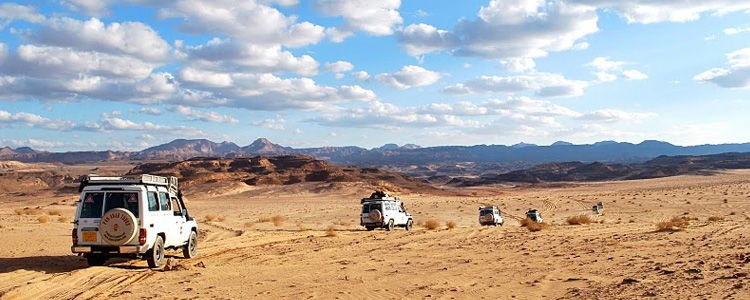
(304, 241)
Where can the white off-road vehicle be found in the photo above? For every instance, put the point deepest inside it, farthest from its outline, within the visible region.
(383, 211)
(132, 216)
(490, 215)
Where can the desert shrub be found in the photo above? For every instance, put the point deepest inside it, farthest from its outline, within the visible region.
(331, 231)
(28, 211)
(221, 218)
(432, 224)
(54, 212)
(533, 226)
(278, 220)
(249, 224)
(579, 220)
(43, 219)
(210, 218)
(450, 224)
(715, 219)
(264, 220)
(674, 224)
(63, 219)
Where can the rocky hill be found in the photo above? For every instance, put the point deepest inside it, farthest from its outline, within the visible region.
(275, 170)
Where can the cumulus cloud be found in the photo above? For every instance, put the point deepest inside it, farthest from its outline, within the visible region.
(735, 75)
(150, 111)
(361, 75)
(275, 124)
(613, 115)
(10, 12)
(542, 84)
(408, 77)
(521, 64)
(607, 70)
(210, 116)
(90, 7)
(736, 30)
(649, 11)
(388, 116)
(508, 29)
(33, 120)
(3, 52)
(339, 66)
(376, 18)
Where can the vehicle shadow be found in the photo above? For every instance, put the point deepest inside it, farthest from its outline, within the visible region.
(47, 264)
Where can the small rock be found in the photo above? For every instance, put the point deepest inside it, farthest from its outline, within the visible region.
(630, 280)
(693, 271)
(200, 264)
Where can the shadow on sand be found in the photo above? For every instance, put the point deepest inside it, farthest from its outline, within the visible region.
(47, 264)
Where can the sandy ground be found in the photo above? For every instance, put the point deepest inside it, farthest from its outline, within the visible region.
(244, 255)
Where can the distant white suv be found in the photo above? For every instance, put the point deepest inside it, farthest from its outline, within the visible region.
(132, 216)
(490, 215)
(383, 211)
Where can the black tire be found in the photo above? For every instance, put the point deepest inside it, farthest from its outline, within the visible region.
(155, 256)
(370, 228)
(389, 227)
(96, 259)
(409, 225)
(191, 248)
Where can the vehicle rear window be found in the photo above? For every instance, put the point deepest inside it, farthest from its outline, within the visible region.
(128, 201)
(153, 202)
(485, 212)
(372, 206)
(92, 205)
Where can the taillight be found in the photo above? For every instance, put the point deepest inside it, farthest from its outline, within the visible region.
(75, 236)
(142, 237)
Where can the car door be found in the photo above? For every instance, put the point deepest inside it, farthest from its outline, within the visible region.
(165, 222)
(179, 220)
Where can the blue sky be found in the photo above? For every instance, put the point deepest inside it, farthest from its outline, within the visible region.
(126, 75)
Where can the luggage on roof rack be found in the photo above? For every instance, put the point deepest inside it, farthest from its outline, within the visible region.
(170, 182)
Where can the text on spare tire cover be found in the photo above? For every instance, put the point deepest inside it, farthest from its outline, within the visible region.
(121, 225)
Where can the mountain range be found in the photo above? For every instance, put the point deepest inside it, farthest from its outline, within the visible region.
(410, 159)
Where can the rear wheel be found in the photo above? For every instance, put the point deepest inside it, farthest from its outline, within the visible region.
(409, 224)
(191, 248)
(389, 227)
(155, 256)
(96, 259)
(370, 228)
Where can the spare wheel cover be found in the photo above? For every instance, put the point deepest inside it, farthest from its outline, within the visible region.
(375, 214)
(117, 227)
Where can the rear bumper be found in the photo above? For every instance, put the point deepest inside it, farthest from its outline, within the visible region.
(109, 249)
(373, 224)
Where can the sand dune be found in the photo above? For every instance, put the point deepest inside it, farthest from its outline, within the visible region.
(243, 254)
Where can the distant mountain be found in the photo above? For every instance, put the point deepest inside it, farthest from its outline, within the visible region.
(182, 149)
(263, 146)
(561, 143)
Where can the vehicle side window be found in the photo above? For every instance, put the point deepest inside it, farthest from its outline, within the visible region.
(153, 202)
(176, 207)
(164, 201)
(92, 205)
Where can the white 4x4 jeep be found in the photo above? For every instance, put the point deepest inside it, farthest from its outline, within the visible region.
(490, 215)
(383, 211)
(134, 216)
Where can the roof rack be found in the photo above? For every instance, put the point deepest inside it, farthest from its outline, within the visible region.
(92, 179)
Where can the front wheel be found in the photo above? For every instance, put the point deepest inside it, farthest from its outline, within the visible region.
(409, 225)
(191, 248)
(155, 256)
(389, 227)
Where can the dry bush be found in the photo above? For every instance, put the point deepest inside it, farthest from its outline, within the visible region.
(221, 218)
(43, 219)
(674, 224)
(450, 224)
(54, 212)
(579, 220)
(63, 219)
(28, 211)
(278, 220)
(331, 231)
(210, 218)
(249, 224)
(18, 211)
(264, 220)
(533, 226)
(432, 224)
(715, 219)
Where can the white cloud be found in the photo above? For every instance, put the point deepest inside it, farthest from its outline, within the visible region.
(361, 75)
(613, 115)
(607, 70)
(735, 75)
(420, 39)
(523, 64)
(33, 120)
(150, 111)
(650, 11)
(372, 17)
(90, 7)
(58, 63)
(408, 77)
(542, 84)
(3, 52)
(339, 66)
(212, 117)
(736, 30)
(10, 12)
(275, 124)
(388, 116)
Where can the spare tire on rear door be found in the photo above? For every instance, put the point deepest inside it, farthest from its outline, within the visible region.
(118, 226)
